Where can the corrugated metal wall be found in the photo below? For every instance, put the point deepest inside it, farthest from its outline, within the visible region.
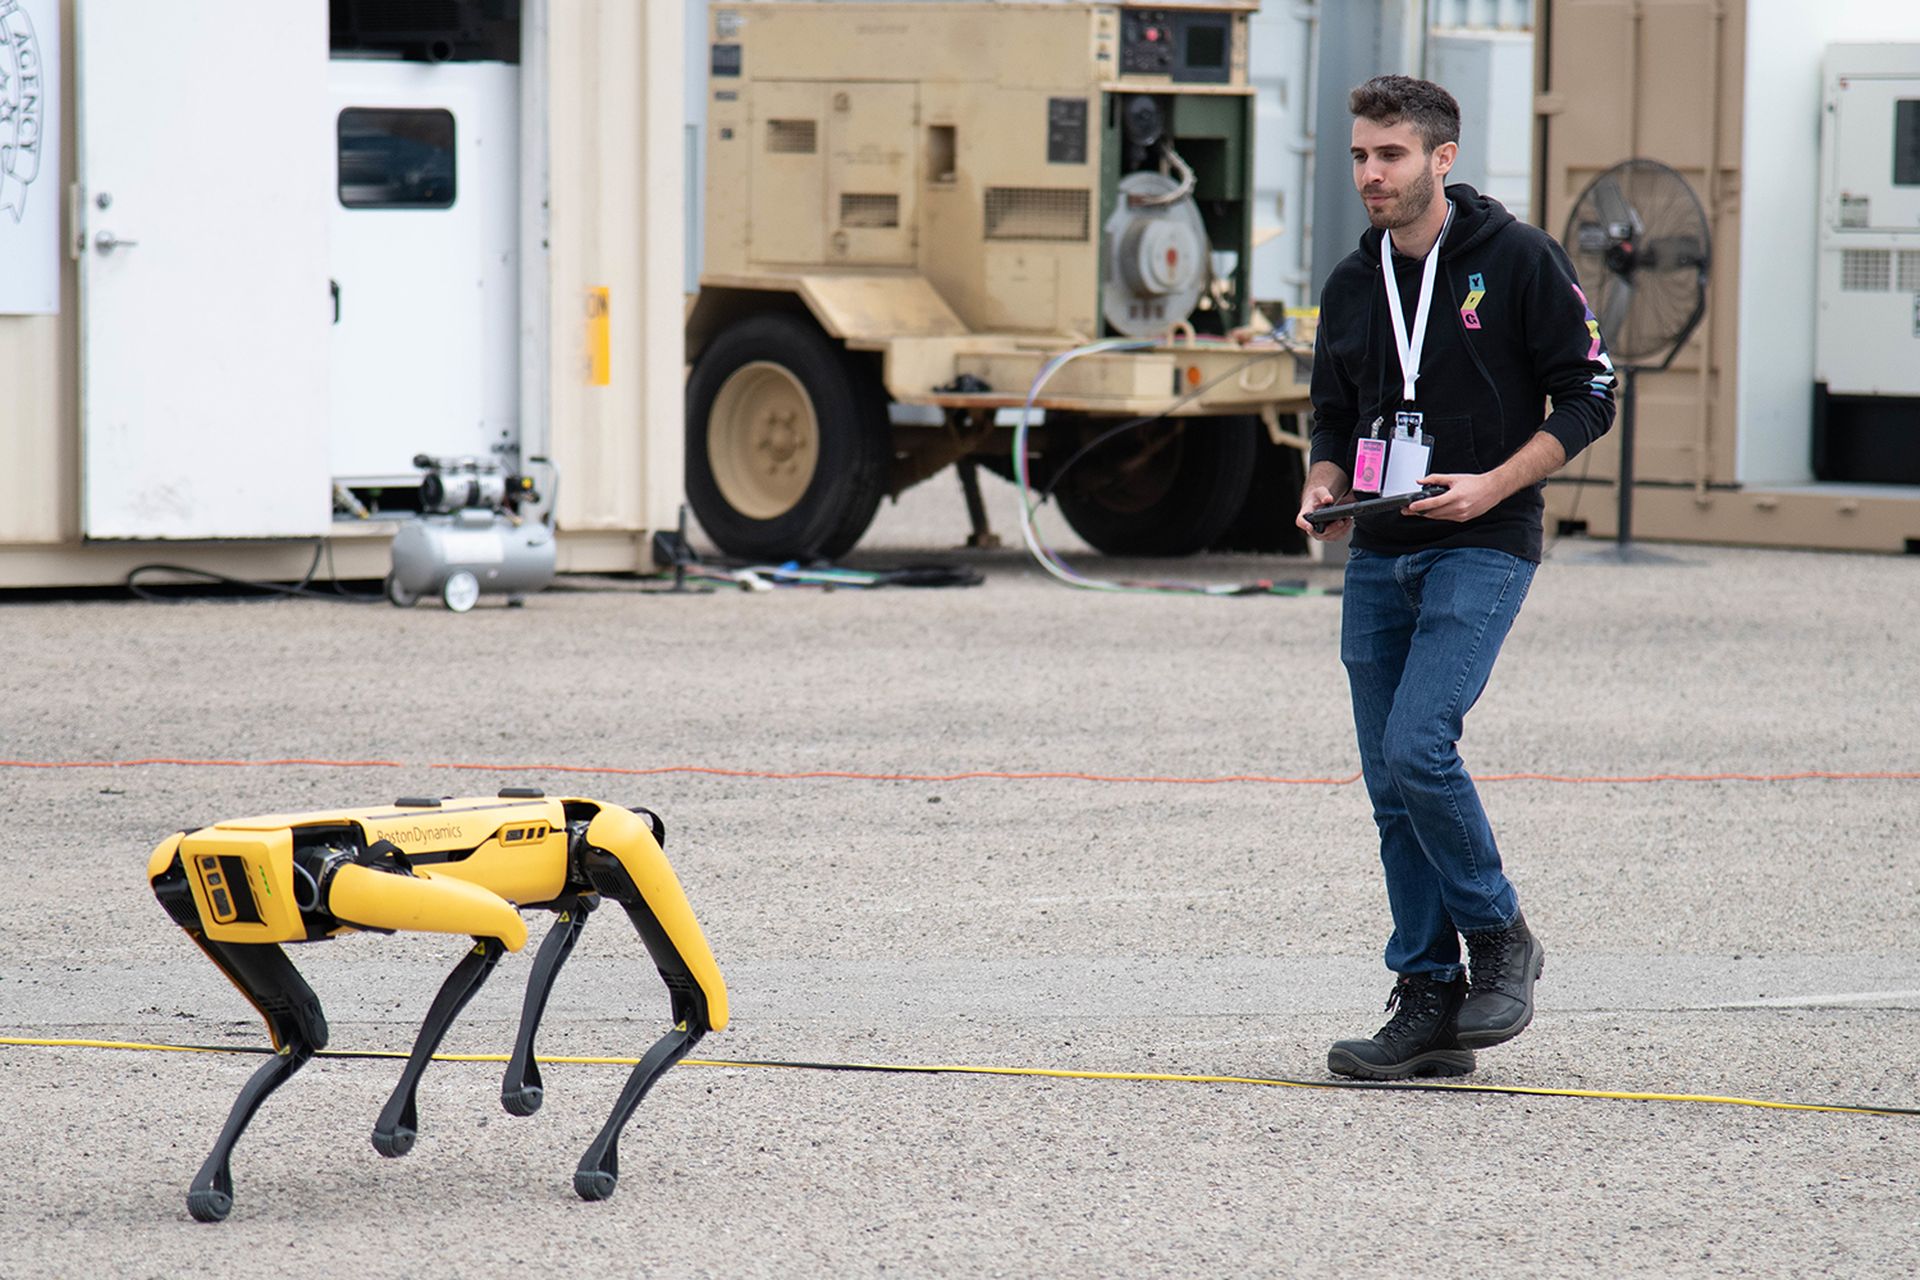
(1659, 79)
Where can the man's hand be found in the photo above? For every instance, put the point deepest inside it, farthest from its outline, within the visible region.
(1467, 496)
(1322, 482)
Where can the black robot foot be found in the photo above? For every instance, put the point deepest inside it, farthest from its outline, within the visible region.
(594, 1184)
(396, 1142)
(209, 1205)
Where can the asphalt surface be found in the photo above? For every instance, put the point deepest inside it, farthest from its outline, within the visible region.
(1753, 939)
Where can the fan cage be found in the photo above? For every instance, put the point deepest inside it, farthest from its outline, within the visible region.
(1648, 297)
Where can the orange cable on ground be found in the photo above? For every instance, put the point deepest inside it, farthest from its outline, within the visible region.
(1824, 775)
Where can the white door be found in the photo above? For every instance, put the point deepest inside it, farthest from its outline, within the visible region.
(204, 163)
(425, 265)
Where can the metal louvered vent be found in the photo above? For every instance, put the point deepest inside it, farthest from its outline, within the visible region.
(791, 137)
(1866, 270)
(859, 210)
(1037, 213)
(1909, 276)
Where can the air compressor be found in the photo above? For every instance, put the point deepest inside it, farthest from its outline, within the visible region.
(474, 536)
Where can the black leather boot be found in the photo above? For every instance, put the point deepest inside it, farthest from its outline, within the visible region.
(1502, 967)
(1417, 1041)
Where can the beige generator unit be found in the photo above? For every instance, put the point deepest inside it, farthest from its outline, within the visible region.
(914, 210)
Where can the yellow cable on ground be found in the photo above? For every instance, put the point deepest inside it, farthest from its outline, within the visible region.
(1055, 1073)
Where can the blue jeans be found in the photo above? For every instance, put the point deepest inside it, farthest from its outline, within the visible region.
(1419, 634)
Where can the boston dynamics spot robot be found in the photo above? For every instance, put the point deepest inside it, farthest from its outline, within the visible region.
(462, 866)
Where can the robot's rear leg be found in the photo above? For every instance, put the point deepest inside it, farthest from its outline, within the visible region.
(394, 1131)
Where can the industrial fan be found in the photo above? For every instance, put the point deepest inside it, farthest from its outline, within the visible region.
(1639, 241)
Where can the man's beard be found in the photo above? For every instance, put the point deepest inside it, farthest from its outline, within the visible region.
(1408, 209)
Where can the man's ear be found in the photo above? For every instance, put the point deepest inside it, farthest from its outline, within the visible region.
(1443, 157)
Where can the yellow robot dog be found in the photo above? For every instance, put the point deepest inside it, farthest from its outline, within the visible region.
(462, 866)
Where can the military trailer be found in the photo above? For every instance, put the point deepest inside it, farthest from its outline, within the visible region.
(912, 210)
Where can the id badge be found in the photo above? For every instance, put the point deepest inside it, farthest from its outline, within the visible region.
(1369, 465)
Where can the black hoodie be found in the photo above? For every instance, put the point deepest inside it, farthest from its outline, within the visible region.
(1510, 330)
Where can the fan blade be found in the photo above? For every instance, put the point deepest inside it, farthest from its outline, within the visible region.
(1622, 223)
(1673, 253)
(1591, 237)
(1613, 315)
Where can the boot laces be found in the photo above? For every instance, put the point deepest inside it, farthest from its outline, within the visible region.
(1489, 953)
(1411, 1002)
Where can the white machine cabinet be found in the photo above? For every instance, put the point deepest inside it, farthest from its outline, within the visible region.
(1868, 329)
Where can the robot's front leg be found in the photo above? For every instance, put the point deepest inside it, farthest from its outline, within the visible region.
(299, 1031)
(521, 1092)
(394, 1131)
(599, 1169)
(620, 855)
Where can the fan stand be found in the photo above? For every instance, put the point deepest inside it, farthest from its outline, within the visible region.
(1623, 551)
(1612, 241)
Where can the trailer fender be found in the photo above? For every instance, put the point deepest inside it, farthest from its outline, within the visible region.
(864, 311)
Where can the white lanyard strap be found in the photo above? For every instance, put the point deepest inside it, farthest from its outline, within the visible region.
(1410, 345)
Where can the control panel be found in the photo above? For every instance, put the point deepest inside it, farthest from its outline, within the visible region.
(1186, 47)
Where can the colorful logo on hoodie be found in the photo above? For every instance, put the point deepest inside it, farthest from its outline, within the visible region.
(1601, 384)
(1477, 283)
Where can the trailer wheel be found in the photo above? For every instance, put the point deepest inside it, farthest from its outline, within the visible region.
(1168, 489)
(787, 445)
(1265, 521)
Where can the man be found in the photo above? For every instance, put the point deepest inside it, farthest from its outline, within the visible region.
(1449, 330)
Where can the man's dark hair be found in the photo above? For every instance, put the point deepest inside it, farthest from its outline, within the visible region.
(1388, 100)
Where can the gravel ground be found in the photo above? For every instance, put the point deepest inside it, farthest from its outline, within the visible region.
(1745, 938)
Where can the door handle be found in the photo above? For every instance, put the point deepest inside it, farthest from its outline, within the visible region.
(333, 287)
(107, 242)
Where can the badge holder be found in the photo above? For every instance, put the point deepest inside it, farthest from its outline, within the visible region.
(1408, 456)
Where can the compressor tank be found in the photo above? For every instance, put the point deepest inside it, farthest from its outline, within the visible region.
(468, 553)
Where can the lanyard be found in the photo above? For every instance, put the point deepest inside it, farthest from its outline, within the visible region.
(1410, 345)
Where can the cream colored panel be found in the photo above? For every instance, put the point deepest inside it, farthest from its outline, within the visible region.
(788, 134)
(1035, 44)
(1590, 66)
(38, 443)
(1676, 97)
(1001, 143)
(878, 307)
(616, 177)
(872, 173)
(1022, 287)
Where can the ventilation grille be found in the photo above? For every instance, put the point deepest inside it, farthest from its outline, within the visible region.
(1855, 211)
(1036, 213)
(790, 137)
(869, 210)
(1909, 281)
(1866, 270)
